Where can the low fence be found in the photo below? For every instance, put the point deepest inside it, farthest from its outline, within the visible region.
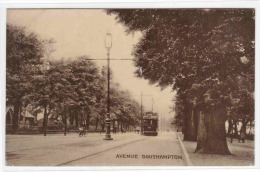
(32, 130)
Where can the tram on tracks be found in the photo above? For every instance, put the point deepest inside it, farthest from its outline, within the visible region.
(150, 124)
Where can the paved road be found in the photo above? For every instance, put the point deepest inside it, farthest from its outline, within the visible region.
(152, 151)
(125, 150)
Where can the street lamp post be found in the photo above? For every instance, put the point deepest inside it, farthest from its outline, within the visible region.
(141, 110)
(108, 45)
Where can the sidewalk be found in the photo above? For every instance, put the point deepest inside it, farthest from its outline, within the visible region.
(57, 149)
(242, 154)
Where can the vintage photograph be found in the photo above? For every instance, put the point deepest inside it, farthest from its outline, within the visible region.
(130, 87)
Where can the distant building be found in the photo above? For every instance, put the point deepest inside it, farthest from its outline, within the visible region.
(25, 118)
(9, 115)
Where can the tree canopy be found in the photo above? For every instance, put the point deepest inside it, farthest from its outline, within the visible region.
(73, 89)
(203, 54)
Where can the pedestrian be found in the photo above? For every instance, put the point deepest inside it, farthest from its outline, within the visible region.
(82, 131)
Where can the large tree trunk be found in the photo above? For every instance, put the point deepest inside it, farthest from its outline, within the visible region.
(196, 120)
(211, 132)
(190, 133)
(202, 133)
(15, 121)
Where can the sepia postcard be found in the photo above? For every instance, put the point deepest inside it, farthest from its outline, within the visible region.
(130, 87)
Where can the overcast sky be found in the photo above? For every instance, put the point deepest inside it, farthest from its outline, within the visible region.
(81, 32)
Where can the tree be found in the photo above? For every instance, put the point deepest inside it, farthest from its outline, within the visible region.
(201, 48)
(52, 92)
(72, 88)
(242, 104)
(224, 51)
(123, 105)
(88, 86)
(164, 32)
(24, 53)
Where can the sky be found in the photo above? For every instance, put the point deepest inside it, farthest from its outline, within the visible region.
(80, 32)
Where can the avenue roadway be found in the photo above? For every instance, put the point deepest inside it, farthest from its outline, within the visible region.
(128, 149)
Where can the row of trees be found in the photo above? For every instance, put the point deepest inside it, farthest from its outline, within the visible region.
(207, 56)
(73, 89)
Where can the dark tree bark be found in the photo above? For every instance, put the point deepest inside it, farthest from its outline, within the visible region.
(81, 121)
(190, 133)
(87, 121)
(72, 118)
(244, 124)
(118, 124)
(235, 128)
(97, 120)
(230, 127)
(211, 132)
(45, 120)
(202, 133)
(196, 119)
(65, 123)
(77, 120)
(17, 107)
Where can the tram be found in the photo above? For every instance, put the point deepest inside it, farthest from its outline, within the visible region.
(150, 124)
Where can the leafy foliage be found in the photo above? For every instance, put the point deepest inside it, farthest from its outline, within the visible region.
(198, 52)
(24, 53)
(72, 89)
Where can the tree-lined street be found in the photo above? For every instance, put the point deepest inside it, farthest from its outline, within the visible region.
(122, 75)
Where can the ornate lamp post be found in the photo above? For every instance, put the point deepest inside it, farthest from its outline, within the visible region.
(108, 45)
